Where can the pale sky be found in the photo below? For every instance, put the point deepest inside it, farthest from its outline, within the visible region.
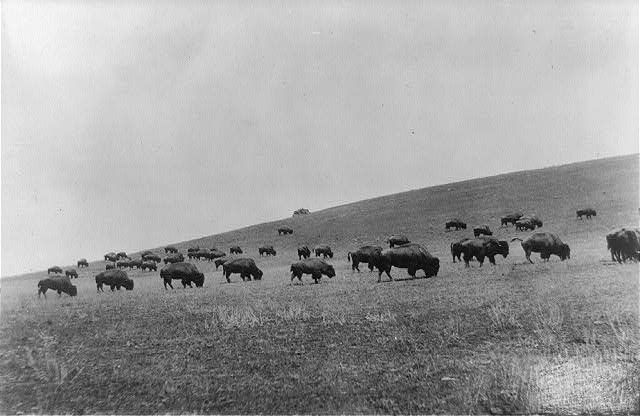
(131, 124)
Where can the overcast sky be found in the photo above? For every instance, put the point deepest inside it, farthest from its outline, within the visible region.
(131, 124)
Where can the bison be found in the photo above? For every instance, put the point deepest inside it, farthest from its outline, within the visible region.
(219, 262)
(315, 267)
(588, 212)
(149, 265)
(455, 223)
(115, 279)
(59, 284)
(170, 249)
(546, 244)
(481, 230)
(267, 250)
(304, 252)
(111, 257)
(215, 253)
(246, 267)
(151, 257)
(482, 247)
(122, 264)
(533, 219)
(235, 250)
(412, 257)
(71, 273)
(624, 245)
(456, 249)
(83, 263)
(285, 230)
(110, 266)
(323, 250)
(525, 224)
(187, 273)
(510, 219)
(54, 269)
(362, 255)
(174, 258)
(396, 240)
(121, 255)
(193, 249)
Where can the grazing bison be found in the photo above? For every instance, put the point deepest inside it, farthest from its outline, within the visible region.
(285, 230)
(304, 252)
(151, 257)
(202, 254)
(149, 265)
(546, 244)
(396, 240)
(54, 269)
(323, 250)
(482, 247)
(145, 253)
(246, 267)
(83, 263)
(135, 264)
(455, 223)
(362, 255)
(123, 264)
(510, 219)
(315, 267)
(187, 273)
(267, 250)
(412, 257)
(215, 253)
(533, 219)
(456, 249)
(525, 224)
(193, 249)
(110, 266)
(481, 230)
(624, 245)
(71, 273)
(59, 284)
(174, 258)
(115, 279)
(219, 262)
(111, 257)
(588, 212)
(121, 255)
(235, 250)
(170, 249)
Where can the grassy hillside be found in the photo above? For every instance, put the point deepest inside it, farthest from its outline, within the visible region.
(548, 337)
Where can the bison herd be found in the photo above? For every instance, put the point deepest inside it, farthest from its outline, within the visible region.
(624, 244)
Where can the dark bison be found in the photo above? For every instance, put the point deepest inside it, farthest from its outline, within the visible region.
(149, 265)
(482, 247)
(174, 258)
(170, 249)
(267, 250)
(533, 219)
(202, 254)
(121, 255)
(524, 224)
(83, 263)
(315, 267)
(546, 244)
(145, 253)
(135, 264)
(115, 279)
(151, 257)
(219, 262)
(193, 249)
(362, 255)
(455, 223)
(481, 230)
(123, 264)
(111, 257)
(71, 273)
(215, 253)
(323, 250)
(187, 273)
(412, 257)
(304, 252)
(59, 284)
(456, 249)
(510, 219)
(285, 230)
(246, 267)
(624, 245)
(235, 250)
(54, 269)
(110, 266)
(588, 212)
(396, 240)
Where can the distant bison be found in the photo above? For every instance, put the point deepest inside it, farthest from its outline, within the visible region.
(362, 255)
(58, 283)
(235, 250)
(115, 279)
(146, 253)
(396, 240)
(546, 244)
(219, 262)
(83, 263)
(170, 249)
(54, 269)
(174, 258)
(149, 265)
(301, 211)
(315, 267)
(246, 267)
(122, 264)
(588, 212)
(151, 257)
(122, 255)
(482, 230)
(455, 223)
(323, 250)
(193, 249)
(524, 224)
(285, 230)
(215, 253)
(111, 257)
(624, 245)
(482, 247)
(135, 264)
(456, 249)
(510, 219)
(110, 266)
(71, 273)
(267, 250)
(304, 252)
(412, 257)
(533, 219)
(187, 273)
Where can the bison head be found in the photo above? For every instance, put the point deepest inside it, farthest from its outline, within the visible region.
(72, 290)
(503, 248)
(257, 274)
(330, 272)
(433, 267)
(199, 280)
(565, 252)
(128, 284)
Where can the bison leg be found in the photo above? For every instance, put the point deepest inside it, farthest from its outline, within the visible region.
(466, 259)
(492, 260)
(527, 254)
(59, 293)
(355, 265)
(43, 290)
(411, 271)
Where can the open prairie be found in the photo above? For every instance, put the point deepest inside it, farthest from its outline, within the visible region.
(558, 336)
